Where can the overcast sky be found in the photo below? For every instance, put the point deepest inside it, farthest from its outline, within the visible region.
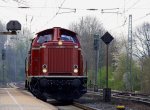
(42, 13)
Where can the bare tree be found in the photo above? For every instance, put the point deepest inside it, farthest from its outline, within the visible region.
(86, 28)
(16, 48)
(121, 77)
(145, 75)
(142, 51)
(16, 51)
(3, 39)
(142, 40)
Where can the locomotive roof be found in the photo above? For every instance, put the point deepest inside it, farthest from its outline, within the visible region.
(48, 30)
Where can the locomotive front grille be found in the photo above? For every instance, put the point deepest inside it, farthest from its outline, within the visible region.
(60, 60)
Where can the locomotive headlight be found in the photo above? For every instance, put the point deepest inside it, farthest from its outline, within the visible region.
(75, 70)
(60, 42)
(44, 70)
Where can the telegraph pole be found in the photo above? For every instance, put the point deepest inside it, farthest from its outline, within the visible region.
(96, 48)
(129, 53)
(100, 63)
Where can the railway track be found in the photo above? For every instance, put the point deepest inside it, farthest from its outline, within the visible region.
(75, 106)
(69, 106)
(84, 107)
(116, 95)
(60, 106)
(129, 96)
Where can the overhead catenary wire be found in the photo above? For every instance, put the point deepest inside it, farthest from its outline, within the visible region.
(134, 4)
(135, 20)
(71, 10)
(126, 10)
(55, 14)
(24, 7)
(89, 9)
(20, 2)
(62, 10)
(44, 5)
(60, 6)
(110, 10)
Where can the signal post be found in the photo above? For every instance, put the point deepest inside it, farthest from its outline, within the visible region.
(107, 38)
(96, 48)
(12, 27)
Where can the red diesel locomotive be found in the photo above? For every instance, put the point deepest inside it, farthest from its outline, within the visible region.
(54, 65)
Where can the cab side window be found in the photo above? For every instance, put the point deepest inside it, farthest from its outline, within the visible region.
(44, 38)
(68, 38)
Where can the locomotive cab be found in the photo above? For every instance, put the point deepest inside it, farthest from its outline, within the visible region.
(56, 65)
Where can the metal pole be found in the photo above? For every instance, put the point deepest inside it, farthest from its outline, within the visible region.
(96, 70)
(15, 62)
(100, 64)
(129, 65)
(86, 68)
(97, 61)
(15, 69)
(107, 38)
(141, 74)
(107, 91)
(107, 66)
(3, 73)
(96, 40)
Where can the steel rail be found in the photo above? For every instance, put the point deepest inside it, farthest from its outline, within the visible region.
(84, 107)
(140, 98)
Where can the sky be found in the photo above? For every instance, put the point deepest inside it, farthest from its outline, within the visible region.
(43, 14)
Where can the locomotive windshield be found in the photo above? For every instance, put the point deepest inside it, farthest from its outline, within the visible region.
(68, 38)
(44, 38)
